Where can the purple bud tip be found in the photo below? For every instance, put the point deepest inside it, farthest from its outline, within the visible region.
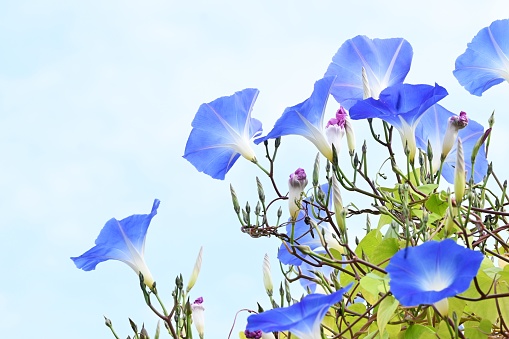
(254, 334)
(460, 121)
(340, 118)
(198, 301)
(299, 175)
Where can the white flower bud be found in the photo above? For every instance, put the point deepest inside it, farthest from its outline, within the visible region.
(196, 271)
(199, 316)
(459, 174)
(296, 185)
(267, 280)
(454, 124)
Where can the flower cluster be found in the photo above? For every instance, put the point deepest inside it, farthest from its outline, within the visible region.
(430, 245)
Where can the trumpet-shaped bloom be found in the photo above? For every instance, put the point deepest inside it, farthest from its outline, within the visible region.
(307, 119)
(485, 63)
(402, 106)
(433, 128)
(222, 131)
(385, 61)
(122, 240)
(303, 319)
(435, 270)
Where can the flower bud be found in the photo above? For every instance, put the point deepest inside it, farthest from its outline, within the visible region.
(350, 135)
(261, 193)
(338, 204)
(199, 316)
(196, 271)
(335, 128)
(267, 280)
(459, 174)
(316, 170)
(478, 144)
(296, 184)
(454, 124)
(235, 200)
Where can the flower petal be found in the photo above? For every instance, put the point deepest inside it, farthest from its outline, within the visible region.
(302, 319)
(222, 130)
(306, 118)
(118, 240)
(485, 63)
(386, 61)
(398, 103)
(430, 272)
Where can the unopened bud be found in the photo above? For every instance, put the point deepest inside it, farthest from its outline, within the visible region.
(429, 152)
(338, 204)
(199, 316)
(235, 201)
(459, 174)
(267, 279)
(196, 271)
(261, 193)
(454, 124)
(350, 136)
(107, 322)
(296, 185)
(491, 120)
(258, 208)
(478, 144)
(316, 170)
(277, 142)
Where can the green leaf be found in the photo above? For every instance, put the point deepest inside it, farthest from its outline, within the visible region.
(477, 330)
(385, 250)
(386, 312)
(443, 330)
(504, 274)
(393, 330)
(384, 220)
(419, 331)
(428, 188)
(369, 243)
(370, 288)
(437, 204)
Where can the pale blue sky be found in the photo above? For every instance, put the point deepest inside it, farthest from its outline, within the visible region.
(96, 103)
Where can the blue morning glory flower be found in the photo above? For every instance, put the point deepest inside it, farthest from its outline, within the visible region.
(485, 63)
(433, 127)
(306, 119)
(401, 106)
(431, 272)
(122, 240)
(386, 62)
(222, 131)
(302, 319)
